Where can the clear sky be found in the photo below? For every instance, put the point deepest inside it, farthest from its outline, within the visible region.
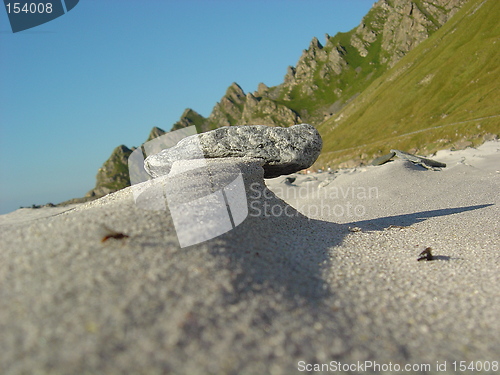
(105, 73)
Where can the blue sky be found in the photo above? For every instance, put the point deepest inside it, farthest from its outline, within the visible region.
(104, 74)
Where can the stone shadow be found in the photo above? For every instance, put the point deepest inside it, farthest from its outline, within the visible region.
(277, 248)
(406, 220)
(287, 253)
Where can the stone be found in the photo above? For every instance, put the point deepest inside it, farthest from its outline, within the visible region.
(426, 163)
(281, 151)
(326, 182)
(383, 159)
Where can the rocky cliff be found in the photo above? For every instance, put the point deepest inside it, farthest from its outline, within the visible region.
(113, 175)
(190, 118)
(326, 78)
(154, 133)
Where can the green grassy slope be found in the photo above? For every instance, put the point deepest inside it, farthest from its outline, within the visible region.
(356, 75)
(444, 91)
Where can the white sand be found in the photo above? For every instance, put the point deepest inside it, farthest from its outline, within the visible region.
(337, 286)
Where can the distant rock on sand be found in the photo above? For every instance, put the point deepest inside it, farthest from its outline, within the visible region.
(383, 159)
(419, 160)
(282, 150)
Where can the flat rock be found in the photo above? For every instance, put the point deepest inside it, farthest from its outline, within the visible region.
(426, 163)
(282, 151)
(383, 159)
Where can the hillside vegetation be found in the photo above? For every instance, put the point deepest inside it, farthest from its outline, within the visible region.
(444, 92)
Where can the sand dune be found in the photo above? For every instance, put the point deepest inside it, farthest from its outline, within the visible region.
(318, 273)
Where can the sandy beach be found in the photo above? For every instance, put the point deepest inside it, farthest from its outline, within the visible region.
(322, 272)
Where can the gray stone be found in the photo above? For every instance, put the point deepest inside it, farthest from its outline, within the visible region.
(426, 163)
(383, 159)
(282, 151)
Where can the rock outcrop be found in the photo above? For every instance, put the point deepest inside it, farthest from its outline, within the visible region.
(419, 160)
(113, 175)
(407, 24)
(189, 118)
(229, 109)
(155, 133)
(238, 108)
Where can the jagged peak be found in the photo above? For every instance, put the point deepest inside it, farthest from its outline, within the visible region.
(234, 94)
(314, 50)
(189, 112)
(155, 132)
(157, 129)
(123, 149)
(188, 118)
(262, 87)
(186, 112)
(235, 88)
(315, 44)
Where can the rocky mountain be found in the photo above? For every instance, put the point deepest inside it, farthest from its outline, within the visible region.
(442, 94)
(190, 118)
(154, 133)
(329, 76)
(113, 175)
(238, 108)
(326, 78)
